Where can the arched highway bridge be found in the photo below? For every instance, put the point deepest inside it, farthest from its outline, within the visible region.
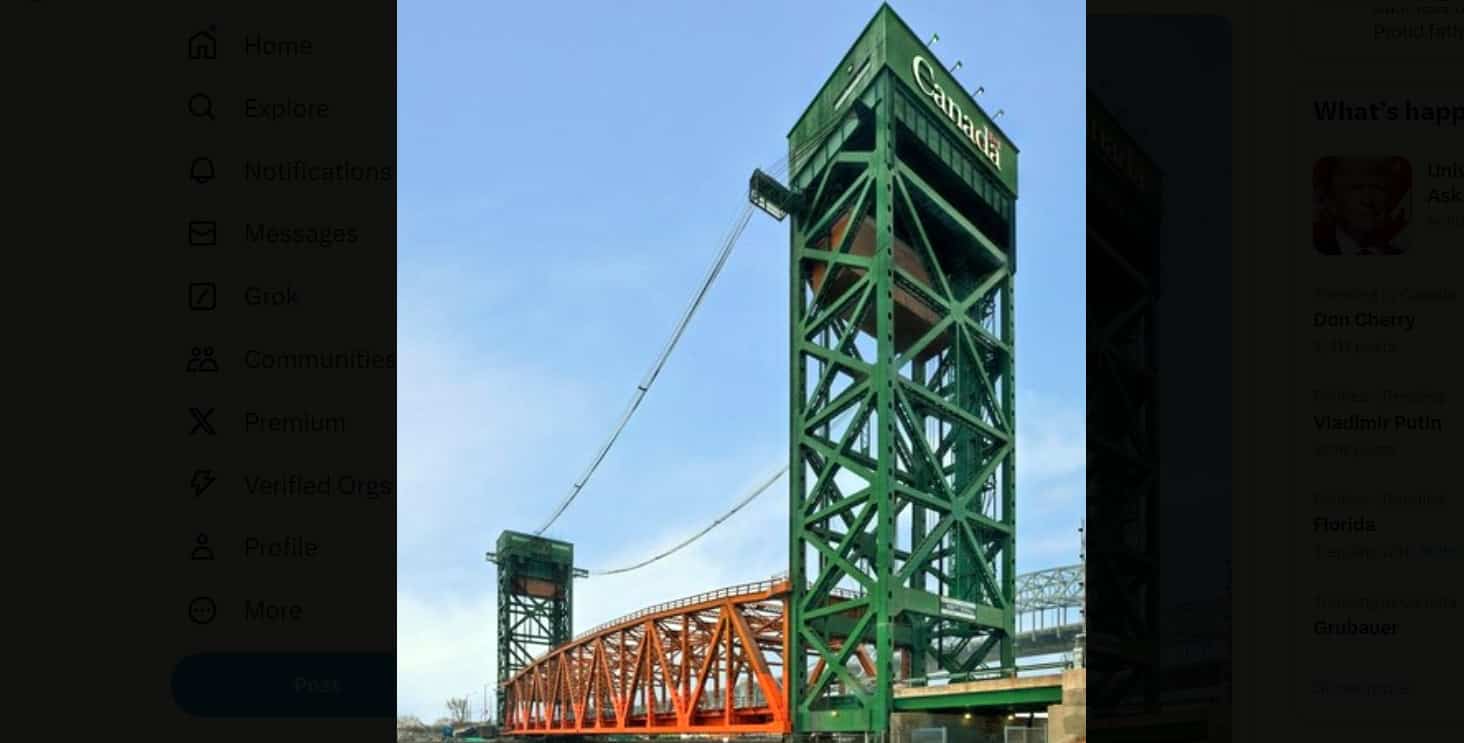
(712, 663)
(1049, 610)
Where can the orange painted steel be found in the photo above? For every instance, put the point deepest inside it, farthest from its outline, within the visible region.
(709, 664)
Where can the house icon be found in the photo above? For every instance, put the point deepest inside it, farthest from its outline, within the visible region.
(202, 45)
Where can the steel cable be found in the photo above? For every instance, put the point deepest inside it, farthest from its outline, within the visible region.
(759, 490)
(645, 385)
(728, 243)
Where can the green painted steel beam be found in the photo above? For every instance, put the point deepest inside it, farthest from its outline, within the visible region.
(902, 409)
(1035, 696)
(951, 213)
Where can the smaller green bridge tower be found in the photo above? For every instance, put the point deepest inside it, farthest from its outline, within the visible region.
(535, 600)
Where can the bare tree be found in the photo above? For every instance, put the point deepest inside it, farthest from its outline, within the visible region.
(457, 709)
(411, 729)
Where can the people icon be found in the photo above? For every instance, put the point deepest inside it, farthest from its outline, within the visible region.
(203, 551)
(202, 360)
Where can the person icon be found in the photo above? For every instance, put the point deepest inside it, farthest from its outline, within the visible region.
(203, 551)
(202, 360)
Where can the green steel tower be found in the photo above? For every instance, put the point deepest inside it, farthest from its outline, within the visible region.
(902, 433)
(535, 600)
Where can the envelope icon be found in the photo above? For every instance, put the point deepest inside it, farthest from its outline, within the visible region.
(203, 232)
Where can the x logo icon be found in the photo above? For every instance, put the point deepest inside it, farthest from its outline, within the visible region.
(200, 422)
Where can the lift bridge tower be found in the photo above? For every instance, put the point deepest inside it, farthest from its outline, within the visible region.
(535, 599)
(903, 498)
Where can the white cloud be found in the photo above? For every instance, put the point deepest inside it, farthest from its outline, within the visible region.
(470, 429)
(747, 547)
(1049, 548)
(464, 428)
(445, 648)
(1045, 499)
(1051, 438)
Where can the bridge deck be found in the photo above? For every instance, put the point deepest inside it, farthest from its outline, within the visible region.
(713, 664)
(1021, 691)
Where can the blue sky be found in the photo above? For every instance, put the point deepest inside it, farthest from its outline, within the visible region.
(567, 171)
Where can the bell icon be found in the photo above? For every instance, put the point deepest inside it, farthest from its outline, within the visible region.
(202, 170)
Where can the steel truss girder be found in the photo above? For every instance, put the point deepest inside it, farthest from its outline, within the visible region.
(1054, 588)
(612, 669)
(705, 666)
(902, 486)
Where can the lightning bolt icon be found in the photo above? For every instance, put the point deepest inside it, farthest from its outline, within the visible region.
(200, 482)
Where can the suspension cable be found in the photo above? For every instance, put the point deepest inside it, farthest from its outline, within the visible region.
(645, 384)
(728, 243)
(759, 490)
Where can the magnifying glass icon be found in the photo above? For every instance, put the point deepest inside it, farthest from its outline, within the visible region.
(201, 105)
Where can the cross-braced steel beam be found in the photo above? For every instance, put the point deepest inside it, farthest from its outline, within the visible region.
(902, 504)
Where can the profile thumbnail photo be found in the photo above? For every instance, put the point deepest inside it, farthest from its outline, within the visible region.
(1361, 205)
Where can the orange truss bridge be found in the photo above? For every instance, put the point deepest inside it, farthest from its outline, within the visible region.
(713, 663)
(709, 664)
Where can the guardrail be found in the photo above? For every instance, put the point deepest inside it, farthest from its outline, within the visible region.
(982, 674)
(1043, 589)
(743, 589)
(762, 586)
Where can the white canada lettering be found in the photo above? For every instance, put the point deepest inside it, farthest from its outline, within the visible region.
(982, 137)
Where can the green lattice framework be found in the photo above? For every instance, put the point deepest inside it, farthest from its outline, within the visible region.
(535, 600)
(902, 489)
